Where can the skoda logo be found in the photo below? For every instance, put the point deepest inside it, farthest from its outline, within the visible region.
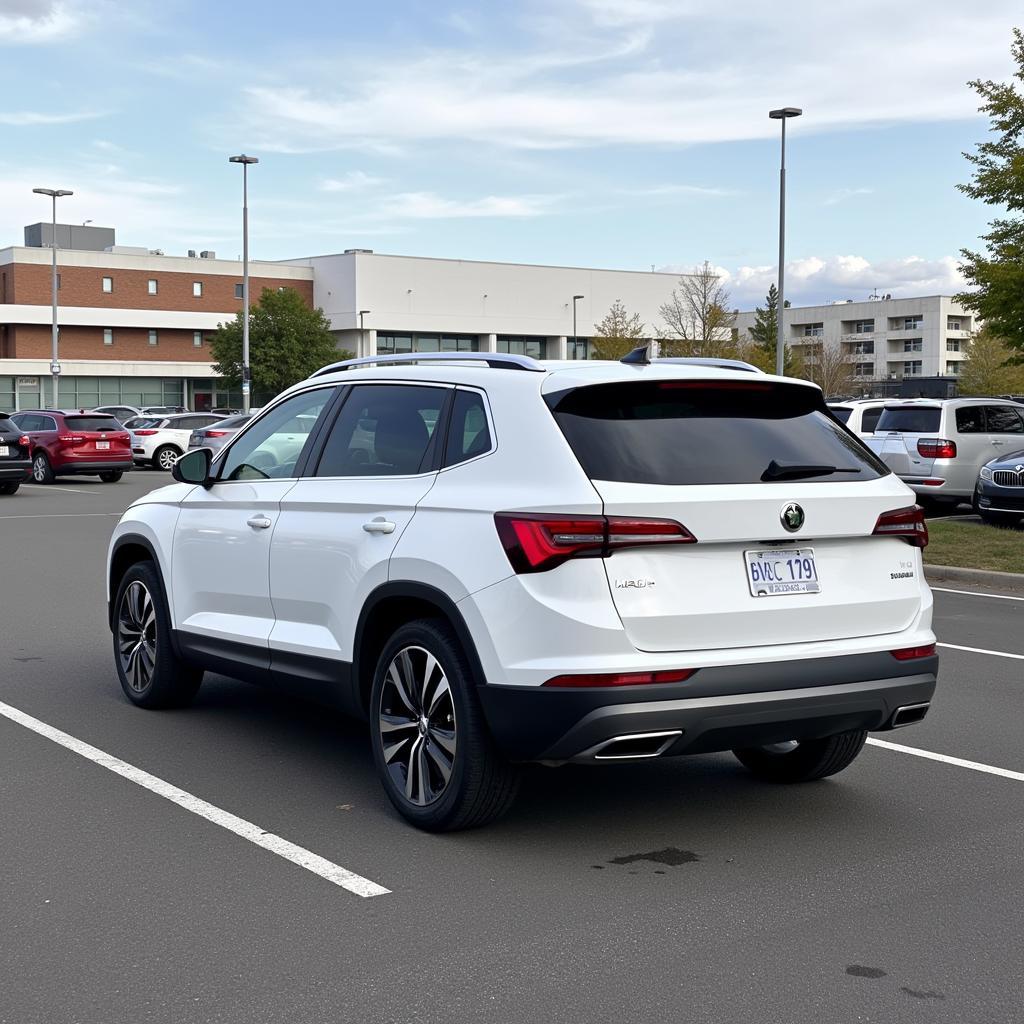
(792, 516)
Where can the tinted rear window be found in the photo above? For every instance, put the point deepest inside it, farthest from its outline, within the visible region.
(841, 414)
(145, 422)
(88, 423)
(686, 432)
(910, 420)
(7, 426)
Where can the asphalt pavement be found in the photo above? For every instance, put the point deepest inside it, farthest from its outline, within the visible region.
(680, 890)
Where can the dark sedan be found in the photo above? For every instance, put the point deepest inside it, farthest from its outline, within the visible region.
(999, 497)
(15, 456)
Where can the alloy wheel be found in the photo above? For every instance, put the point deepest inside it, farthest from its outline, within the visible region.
(167, 459)
(416, 720)
(39, 470)
(136, 636)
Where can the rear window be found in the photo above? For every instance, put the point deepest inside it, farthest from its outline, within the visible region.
(910, 420)
(841, 414)
(693, 432)
(145, 422)
(8, 426)
(94, 423)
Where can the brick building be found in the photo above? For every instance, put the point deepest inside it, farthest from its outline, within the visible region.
(134, 324)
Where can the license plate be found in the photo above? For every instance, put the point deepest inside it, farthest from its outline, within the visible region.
(771, 573)
(4, 451)
(102, 446)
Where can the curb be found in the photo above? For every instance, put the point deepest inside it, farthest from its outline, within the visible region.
(978, 577)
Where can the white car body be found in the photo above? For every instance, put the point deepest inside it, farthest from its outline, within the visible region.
(859, 414)
(160, 442)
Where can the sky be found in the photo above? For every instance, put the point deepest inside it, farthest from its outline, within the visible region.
(626, 134)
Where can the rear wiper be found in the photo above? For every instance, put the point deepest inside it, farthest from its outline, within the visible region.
(781, 471)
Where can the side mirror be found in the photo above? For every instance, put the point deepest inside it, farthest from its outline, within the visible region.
(194, 468)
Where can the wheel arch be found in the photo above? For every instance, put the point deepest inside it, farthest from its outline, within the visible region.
(389, 607)
(127, 551)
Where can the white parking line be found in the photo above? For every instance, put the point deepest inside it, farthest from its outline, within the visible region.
(63, 515)
(959, 762)
(246, 829)
(56, 487)
(978, 593)
(982, 650)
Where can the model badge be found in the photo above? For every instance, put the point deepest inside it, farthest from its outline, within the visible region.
(640, 584)
(792, 516)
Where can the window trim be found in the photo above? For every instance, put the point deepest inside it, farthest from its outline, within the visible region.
(106, 331)
(153, 336)
(103, 285)
(152, 286)
(490, 428)
(197, 285)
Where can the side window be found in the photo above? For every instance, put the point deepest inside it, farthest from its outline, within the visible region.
(468, 434)
(27, 422)
(47, 423)
(1003, 419)
(869, 419)
(970, 420)
(271, 447)
(383, 430)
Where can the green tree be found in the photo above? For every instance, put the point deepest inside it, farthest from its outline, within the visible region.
(985, 370)
(998, 180)
(697, 317)
(287, 342)
(763, 334)
(617, 334)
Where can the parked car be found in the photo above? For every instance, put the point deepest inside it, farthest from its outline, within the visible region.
(859, 414)
(121, 413)
(589, 562)
(68, 443)
(999, 498)
(15, 456)
(938, 446)
(159, 441)
(218, 435)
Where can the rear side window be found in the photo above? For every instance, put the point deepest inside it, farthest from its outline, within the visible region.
(91, 423)
(1003, 419)
(468, 433)
(699, 432)
(869, 419)
(910, 420)
(970, 420)
(841, 414)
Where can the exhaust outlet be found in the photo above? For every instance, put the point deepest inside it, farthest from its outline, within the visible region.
(909, 714)
(637, 746)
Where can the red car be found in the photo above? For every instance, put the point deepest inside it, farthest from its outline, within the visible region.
(65, 443)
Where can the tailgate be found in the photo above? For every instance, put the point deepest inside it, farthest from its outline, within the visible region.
(899, 452)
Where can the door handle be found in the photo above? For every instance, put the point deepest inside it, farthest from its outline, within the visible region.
(258, 522)
(379, 526)
(996, 440)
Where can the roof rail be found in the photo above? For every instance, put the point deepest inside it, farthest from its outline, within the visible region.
(496, 360)
(722, 364)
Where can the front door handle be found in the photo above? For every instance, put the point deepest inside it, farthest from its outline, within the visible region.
(258, 522)
(379, 526)
(996, 440)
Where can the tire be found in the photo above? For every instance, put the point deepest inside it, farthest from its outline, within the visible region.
(481, 785)
(112, 476)
(42, 471)
(10, 487)
(150, 673)
(805, 760)
(164, 458)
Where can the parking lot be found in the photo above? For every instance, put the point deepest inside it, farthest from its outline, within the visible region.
(680, 890)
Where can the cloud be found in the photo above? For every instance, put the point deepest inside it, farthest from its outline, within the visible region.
(842, 194)
(353, 181)
(39, 21)
(429, 205)
(679, 190)
(815, 280)
(24, 118)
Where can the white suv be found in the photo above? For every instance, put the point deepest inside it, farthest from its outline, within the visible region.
(159, 441)
(497, 560)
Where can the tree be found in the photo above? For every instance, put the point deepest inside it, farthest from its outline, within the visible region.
(287, 342)
(985, 370)
(764, 333)
(998, 180)
(697, 317)
(617, 334)
(828, 367)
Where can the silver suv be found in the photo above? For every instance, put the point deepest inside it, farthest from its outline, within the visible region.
(938, 446)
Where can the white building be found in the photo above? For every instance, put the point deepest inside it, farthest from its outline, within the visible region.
(885, 339)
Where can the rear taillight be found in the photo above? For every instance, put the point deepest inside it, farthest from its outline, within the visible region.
(906, 523)
(936, 448)
(214, 433)
(25, 441)
(70, 439)
(144, 433)
(677, 675)
(908, 653)
(536, 543)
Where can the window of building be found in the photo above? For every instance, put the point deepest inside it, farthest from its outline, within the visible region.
(954, 324)
(151, 286)
(912, 345)
(153, 338)
(401, 344)
(197, 339)
(520, 345)
(238, 290)
(863, 326)
(108, 285)
(912, 368)
(953, 367)
(912, 323)
(864, 369)
(814, 330)
(952, 344)
(108, 336)
(864, 348)
(58, 282)
(197, 289)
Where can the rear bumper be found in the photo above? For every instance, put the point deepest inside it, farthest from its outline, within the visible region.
(716, 709)
(17, 470)
(93, 466)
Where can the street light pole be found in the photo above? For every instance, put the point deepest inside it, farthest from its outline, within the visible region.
(362, 333)
(575, 299)
(782, 114)
(54, 194)
(246, 376)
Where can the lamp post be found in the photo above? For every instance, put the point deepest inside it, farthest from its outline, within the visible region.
(245, 161)
(362, 333)
(575, 299)
(54, 194)
(782, 114)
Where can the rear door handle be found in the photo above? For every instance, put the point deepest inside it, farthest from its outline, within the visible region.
(258, 522)
(379, 526)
